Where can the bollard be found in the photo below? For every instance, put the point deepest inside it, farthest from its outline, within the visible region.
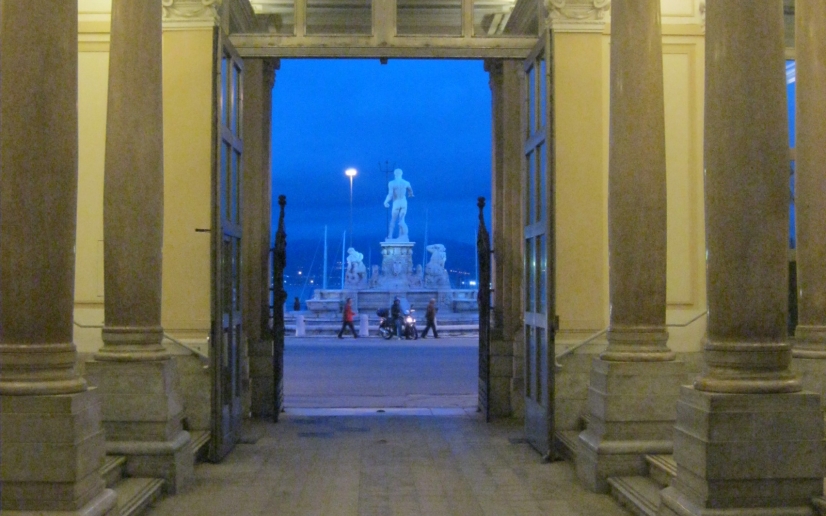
(300, 327)
(364, 330)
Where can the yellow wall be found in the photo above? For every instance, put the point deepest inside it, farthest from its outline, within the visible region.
(187, 86)
(93, 73)
(582, 68)
(93, 78)
(581, 182)
(683, 72)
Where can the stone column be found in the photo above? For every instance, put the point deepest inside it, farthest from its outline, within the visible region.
(810, 192)
(635, 383)
(142, 403)
(744, 419)
(51, 440)
(507, 342)
(259, 77)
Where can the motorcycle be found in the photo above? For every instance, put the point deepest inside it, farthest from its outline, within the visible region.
(387, 327)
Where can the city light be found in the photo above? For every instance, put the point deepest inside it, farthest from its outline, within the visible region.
(351, 173)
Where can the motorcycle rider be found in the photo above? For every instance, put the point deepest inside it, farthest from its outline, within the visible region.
(396, 315)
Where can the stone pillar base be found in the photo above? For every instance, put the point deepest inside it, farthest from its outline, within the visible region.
(812, 373)
(52, 448)
(631, 413)
(746, 454)
(172, 460)
(143, 418)
(501, 374)
(261, 376)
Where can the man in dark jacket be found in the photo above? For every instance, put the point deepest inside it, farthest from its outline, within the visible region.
(396, 315)
(430, 317)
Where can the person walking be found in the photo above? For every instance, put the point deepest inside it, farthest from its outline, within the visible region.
(347, 319)
(430, 317)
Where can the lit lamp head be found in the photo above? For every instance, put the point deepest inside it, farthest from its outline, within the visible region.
(350, 172)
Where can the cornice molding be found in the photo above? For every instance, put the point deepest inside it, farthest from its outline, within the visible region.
(271, 66)
(577, 15)
(242, 16)
(189, 14)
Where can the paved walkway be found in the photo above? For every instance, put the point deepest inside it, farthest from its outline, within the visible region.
(373, 372)
(396, 462)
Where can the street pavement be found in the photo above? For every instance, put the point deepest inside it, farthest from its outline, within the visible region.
(327, 372)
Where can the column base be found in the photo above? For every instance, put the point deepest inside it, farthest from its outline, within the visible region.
(104, 504)
(812, 373)
(672, 503)
(746, 454)
(261, 378)
(172, 460)
(631, 413)
(810, 342)
(501, 374)
(52, 447)
(143, 418)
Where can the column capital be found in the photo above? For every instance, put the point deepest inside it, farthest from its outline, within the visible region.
(577, 15)
(189, 14)
(271, 67)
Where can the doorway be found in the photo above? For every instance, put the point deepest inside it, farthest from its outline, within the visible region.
(429, 118)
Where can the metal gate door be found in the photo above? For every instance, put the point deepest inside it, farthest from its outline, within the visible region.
(279, 262)
(483, 296)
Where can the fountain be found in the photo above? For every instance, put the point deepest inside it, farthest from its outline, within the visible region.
(397, 276)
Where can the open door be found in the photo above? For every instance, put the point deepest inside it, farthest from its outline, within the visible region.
(538, 200)
(226, 252)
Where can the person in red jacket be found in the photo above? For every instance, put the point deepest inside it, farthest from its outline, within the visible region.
(347, 319)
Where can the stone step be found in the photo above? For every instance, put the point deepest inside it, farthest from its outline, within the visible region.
(662, 469)
(820, 505)
(640, 495)
(199, 444)
(136, 494)
(112, 470)
(567, 442)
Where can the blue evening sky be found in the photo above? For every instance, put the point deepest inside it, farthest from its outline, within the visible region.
(431, 118)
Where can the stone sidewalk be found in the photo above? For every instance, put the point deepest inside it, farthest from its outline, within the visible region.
(382, 463)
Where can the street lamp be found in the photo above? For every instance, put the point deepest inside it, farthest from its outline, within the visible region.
(351, 173)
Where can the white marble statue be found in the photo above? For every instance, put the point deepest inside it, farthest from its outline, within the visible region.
(435, 274)
(373, 282)
(398, 190)
(356, 275)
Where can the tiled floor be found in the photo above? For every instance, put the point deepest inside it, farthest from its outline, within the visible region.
(399, 462)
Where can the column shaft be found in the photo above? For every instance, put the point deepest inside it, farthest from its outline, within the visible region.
(637, 186)
(745, 412)
(259, 75)
(133, 185)
(52, 442)
(746, 199)
(810, 180)
(506, 222)
(143, 409)
(634, 384)
(38, 197)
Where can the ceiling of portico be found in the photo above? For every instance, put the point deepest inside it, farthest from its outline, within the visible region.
(415, 17)
(390, 28)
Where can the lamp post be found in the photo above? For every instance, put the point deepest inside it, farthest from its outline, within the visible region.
(351, 173)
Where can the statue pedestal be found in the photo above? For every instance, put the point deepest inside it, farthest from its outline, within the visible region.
(396, 265)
